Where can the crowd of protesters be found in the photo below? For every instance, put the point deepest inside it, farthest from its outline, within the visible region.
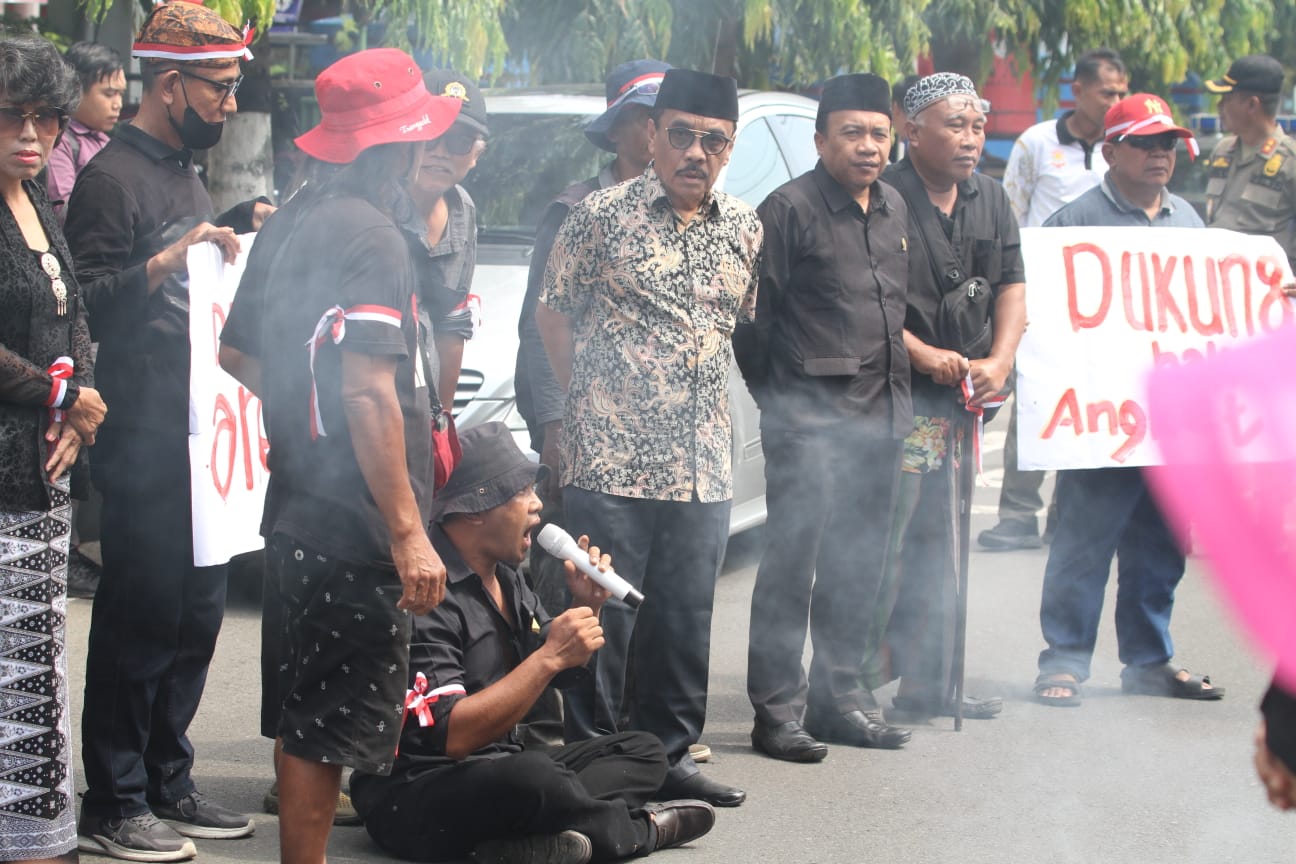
(873, 305)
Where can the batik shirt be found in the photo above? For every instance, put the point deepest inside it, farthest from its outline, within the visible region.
(653, 304)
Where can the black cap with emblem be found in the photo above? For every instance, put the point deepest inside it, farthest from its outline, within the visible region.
(1254, 73)
(447, 82)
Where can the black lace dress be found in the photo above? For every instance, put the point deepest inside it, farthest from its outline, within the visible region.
(37, 815)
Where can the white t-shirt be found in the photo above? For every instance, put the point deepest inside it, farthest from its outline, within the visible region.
(1049, 167)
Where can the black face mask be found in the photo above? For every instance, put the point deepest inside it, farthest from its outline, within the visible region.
(195, 132)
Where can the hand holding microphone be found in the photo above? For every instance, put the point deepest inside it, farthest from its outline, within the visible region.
(560, 544)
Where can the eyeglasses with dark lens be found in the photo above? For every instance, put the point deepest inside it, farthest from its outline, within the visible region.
(49, 121)
(1164, 141)
(226, 88)
(713, 143)
(457, 142)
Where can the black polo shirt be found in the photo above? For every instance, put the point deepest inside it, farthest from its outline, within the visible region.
(986, 242)
(335, 252)
(463, 643)
(133, 199)
(827, 343)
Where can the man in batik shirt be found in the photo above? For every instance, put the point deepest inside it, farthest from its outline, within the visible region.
(644, 286)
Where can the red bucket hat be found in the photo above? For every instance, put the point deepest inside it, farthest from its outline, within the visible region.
(374, 97)
(1144, 114)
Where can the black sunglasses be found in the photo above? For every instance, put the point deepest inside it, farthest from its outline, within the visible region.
(1164, 141)
(49, 121)
(713, 143)
(226, 88)
(457, 142)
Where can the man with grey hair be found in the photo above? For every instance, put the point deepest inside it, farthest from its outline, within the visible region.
(965, 314)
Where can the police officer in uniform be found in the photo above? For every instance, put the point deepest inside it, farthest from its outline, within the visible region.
(1252, 184)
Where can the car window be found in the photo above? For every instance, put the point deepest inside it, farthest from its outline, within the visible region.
(757, 167)
(530, 160)
(795, 134)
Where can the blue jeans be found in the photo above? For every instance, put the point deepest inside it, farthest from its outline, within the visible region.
(1103, 513)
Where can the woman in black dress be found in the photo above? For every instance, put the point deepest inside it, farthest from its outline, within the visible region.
(48, 411)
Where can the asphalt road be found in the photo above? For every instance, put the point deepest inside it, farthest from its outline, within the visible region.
(1121, 779)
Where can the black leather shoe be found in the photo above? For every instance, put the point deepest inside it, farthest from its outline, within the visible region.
(679, 822)
(788, 741)
(855, 728)
(703, 789)
(973, 708)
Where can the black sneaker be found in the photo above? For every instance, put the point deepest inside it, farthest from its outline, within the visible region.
(136, 838)
(569, 847)
(1007, 536)
(195, 816)
(82, 576)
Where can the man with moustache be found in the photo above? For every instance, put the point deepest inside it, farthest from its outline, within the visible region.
(825, 360)
(1252, 186)
(644, 286)
(1052, 164)
(135, 210)
(622, 129)
(964, 243)
(464, 781)
(1108, 512)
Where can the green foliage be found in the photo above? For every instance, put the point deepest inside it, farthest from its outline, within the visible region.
(1160, 40)
(461, 34)
(259, 13)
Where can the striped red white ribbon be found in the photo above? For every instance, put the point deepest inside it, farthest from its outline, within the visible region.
(332, 328)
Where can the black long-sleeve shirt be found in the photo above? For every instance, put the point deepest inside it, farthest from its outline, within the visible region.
(132, 200)
(827, 343)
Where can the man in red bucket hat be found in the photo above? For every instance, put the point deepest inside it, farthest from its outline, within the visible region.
(327, 318)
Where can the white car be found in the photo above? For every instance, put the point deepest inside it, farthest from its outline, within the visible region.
(537, 149)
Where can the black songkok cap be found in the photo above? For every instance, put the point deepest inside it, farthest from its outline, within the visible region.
(699, 93)
(861, 91)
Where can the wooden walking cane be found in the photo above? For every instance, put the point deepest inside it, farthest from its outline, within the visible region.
(964, 477)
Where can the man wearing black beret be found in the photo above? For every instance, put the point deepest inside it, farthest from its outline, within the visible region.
(825, 360)
(642, 291)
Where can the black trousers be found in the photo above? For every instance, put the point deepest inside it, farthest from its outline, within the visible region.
(596, 787)
(672, 551)
(829, 493)
(153, 628)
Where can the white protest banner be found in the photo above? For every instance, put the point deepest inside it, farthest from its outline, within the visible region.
(227, 437)
(1106, 305)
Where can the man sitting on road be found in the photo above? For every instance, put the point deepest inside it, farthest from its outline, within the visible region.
(462, 781)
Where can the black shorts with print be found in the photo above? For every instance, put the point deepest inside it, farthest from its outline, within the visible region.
(345, 658)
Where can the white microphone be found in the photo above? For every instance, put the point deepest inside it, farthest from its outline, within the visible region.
(560, 544)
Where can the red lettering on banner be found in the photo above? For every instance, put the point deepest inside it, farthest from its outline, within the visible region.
(1127, 293)
(1130, 420)
(218, 324)
(233, 433)
(1080, 321)
(1216, 325)
(1226, 266)
(1165, 303)
(1270, 272)
(1151, 298)
(226, 427)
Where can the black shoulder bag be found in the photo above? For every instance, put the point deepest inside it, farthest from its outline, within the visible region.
(963, 319)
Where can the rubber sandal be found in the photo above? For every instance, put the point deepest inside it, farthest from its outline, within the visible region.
(1162, 680)
(1050, 680)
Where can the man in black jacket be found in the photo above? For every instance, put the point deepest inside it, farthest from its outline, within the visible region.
(135, 211)
(965, 244)
(825, 360)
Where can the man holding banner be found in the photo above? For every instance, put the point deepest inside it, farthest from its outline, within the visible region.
(1105, 511)
(965, 314)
